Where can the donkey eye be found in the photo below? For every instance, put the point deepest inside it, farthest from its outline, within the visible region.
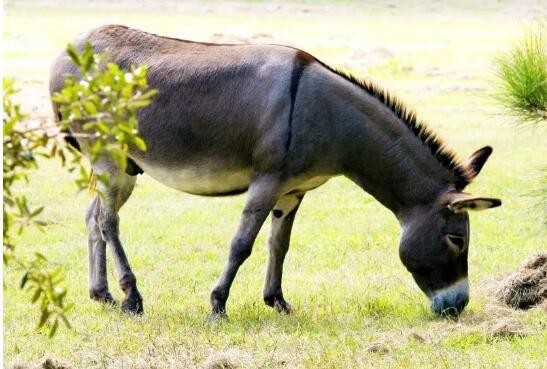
(457, 243)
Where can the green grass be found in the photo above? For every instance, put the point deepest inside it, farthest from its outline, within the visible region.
(342, 274)
(522, 75)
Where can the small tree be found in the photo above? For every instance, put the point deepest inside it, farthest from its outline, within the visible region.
(22, 147)
(522, 89)
(103, 101)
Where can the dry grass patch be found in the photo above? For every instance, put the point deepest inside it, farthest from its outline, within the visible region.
(230, 359)
(528, 286)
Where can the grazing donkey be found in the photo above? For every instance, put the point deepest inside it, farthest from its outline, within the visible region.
(276, 122)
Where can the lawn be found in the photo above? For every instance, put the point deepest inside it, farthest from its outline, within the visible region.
(355, 304)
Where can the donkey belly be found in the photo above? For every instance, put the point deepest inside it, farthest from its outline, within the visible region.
(202, 180)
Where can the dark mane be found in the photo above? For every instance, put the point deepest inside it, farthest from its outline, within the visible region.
(444, 156)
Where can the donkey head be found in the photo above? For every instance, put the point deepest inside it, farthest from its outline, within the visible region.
(435, 240)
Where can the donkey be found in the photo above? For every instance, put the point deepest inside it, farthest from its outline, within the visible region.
(276, 122)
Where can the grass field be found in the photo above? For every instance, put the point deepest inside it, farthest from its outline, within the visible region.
(355, 304)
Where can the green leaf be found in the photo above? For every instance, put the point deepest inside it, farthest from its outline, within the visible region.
(113, 68)
(139, 104)
(24, 280)
(71, 51)
(63, 317)
(59, 98)
(43, 318)
(40, 257)
(53, 329)
(36, 295)
(149, 94)
(90, 107)
(36, 212)
(139, 143)
(88, 63)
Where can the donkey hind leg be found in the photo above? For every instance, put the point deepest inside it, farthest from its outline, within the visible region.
(280, 235)
(111, 200)
(261, 199)
(98, 282)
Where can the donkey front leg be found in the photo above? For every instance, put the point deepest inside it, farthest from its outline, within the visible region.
(280, 235)
(261, 199)
(111, 200)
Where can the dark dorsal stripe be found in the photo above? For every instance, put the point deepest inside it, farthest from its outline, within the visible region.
(445, 156)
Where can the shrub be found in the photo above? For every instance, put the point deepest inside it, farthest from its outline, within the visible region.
(522, 77)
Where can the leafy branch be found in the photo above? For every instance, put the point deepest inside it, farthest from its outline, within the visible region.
(99, 107)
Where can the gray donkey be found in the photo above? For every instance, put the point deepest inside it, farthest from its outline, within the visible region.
(276, 122)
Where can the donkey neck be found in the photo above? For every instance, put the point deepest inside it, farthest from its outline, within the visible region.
(385, 157)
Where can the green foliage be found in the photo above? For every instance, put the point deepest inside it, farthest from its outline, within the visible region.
(102, 105)
(22, 146)
(522, 77)
(44, 286)
(522, 85)
(20, 150)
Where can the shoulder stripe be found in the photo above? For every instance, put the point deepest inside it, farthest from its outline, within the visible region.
(301, 60)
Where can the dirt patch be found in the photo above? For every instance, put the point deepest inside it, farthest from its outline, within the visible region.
(378, 348)
(230, 359)
(508, 328)
(528, 286)
(415, 337)
(45, 363)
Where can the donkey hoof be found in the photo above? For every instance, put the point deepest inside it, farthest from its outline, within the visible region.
(102, 297)
(216, 316)
(133, 306)
(283, 307)
(217, 311)
(133, 303)
(279, 304)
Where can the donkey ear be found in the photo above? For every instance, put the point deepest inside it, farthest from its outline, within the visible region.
(463, 202)
(477, 159)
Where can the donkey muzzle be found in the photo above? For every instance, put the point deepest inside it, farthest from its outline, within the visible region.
(451, 301)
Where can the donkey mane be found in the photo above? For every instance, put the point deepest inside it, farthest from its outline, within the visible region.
(446, 157)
